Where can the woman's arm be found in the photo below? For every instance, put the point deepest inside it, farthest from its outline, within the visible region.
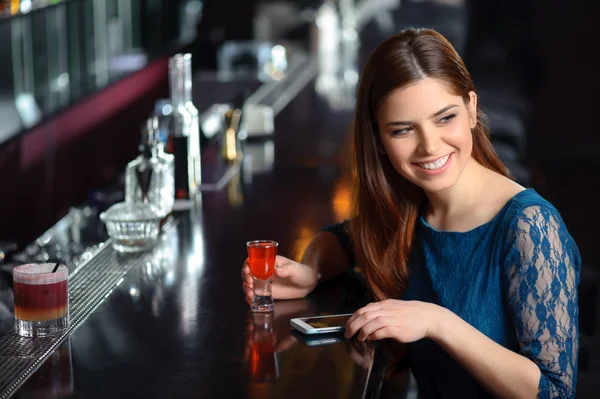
(324, 258)
(326, 254)
(331, 251)
(541, 278)
(504, 373)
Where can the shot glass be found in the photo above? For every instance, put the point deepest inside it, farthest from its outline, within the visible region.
(261, 256)
(41, 299)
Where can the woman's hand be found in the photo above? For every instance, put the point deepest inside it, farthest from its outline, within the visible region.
(404, 321)
(291, 280)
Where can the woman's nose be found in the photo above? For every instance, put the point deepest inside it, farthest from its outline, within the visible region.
(429, 141)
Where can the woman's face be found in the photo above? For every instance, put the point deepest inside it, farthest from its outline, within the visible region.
(426, 133)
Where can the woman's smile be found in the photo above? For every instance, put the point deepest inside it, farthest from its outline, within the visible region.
(434, 164)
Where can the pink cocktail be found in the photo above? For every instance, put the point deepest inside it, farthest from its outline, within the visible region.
(41, 299)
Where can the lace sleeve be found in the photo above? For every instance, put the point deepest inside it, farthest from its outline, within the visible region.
(542, 276)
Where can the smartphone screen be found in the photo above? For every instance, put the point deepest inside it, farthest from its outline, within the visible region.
(327, 322)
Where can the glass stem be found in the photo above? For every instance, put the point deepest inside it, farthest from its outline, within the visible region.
(262, 287)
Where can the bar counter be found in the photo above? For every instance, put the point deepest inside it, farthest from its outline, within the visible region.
(173, 322)
(176, 325)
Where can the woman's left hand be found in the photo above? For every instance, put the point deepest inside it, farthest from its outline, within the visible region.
(404, 321)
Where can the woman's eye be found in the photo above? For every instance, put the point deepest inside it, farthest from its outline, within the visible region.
(400, 132)
(447, 118)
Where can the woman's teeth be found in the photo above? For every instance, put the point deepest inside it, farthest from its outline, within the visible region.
(435, 165)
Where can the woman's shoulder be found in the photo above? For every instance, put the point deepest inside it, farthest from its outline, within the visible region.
(535, 232)
(532, 218)
(528, 204)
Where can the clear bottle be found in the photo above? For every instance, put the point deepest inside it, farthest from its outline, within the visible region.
(150, 178)
(184, 135)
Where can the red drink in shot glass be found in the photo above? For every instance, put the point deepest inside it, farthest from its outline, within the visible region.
(41, 299)
(261, 257)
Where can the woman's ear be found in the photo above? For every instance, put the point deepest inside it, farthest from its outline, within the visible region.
(472, 108)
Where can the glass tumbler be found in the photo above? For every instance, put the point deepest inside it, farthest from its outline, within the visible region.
(41, 299)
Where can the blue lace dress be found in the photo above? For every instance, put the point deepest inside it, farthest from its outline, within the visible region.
(514, 279)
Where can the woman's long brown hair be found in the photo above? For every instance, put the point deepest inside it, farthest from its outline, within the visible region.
(385, 205)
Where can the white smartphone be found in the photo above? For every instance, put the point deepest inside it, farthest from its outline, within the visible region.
(321, 324)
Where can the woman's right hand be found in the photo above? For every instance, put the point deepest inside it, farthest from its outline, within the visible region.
(291, 279)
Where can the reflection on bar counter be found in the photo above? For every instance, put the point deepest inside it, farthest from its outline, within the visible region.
(150, 178)
(56, 378)
(184, 133)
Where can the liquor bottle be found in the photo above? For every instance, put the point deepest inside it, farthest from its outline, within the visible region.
(150, 178)
(184, 134)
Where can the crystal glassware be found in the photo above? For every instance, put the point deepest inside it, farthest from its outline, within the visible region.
(150, 178)
(134, 227)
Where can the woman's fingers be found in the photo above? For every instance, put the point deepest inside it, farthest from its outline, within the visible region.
(359, 319)
(283, 271)
(373, 325)
(247, 282)
(382, 332)
(245, 268)
(362, 311)
(374, 309)
(248, 294)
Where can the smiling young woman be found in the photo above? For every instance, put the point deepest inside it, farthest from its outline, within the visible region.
(416, 105)
(475, 273)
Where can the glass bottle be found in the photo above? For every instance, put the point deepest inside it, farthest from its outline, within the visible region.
(184, 135)
(150, 178)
